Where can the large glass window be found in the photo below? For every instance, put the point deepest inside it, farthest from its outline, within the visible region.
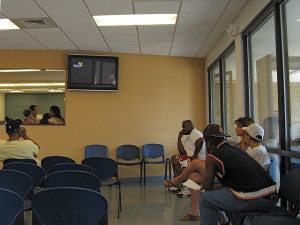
(231, 109)
(291, 9)
(264, 80)
(216, 94)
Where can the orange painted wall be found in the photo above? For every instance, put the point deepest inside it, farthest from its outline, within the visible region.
(155, 94)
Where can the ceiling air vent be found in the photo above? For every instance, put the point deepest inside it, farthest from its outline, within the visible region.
(27, 23)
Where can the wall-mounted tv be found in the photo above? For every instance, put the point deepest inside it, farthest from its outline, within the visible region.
(93, 72)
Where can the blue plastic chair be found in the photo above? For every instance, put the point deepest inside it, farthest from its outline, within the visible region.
(106, 170)
(71, 166)
(50, 161)
(11, 208)
(130, 154)
(16, 181)
(155, 151)
(68, 206)
(96, 151)
(73, 178)
(37, 173)
(31, 161)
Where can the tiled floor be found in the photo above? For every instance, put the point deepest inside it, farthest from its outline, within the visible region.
(143, 205)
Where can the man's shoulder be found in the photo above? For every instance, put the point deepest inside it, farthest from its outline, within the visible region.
(196, 132)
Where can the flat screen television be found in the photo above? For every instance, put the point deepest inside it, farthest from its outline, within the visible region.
(93, 72)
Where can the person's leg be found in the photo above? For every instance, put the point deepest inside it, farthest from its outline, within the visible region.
(196, 165)
(211, 202)
(177, 170)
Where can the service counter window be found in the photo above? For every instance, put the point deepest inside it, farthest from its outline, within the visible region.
(41, 89)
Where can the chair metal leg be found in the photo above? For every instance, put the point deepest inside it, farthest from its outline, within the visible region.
(166, 168)
(144, 173)
(170, 175)
(141, 172)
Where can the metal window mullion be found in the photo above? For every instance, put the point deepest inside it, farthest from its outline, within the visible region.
(222, 93)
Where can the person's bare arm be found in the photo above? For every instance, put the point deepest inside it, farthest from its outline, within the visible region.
(198, 146)
(209, 174)
(24, 135)
(179, 144)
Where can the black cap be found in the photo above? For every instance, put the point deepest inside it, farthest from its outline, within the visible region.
(214, 130)
(13, 125)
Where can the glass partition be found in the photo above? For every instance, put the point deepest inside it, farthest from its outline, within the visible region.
(22, 88)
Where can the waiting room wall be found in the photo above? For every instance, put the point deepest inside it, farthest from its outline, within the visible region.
(155, 94)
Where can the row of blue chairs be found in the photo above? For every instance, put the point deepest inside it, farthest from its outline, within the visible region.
(130, 155)
(55, 206)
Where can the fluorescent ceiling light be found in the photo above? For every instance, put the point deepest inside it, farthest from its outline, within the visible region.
(6, 24)
(20, 70)
(135, 19)
(31, 84)
(298, 20)
(16, 91)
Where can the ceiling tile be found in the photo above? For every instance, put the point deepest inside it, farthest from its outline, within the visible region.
(166, 7)
(118, 30)
(195, 44)
(70, 10)
(74, 21)
(110, 8)
(83, 31)
(235, 6)
(212, 6)
(126, 50)
(59, 45)
(45, 32)
(192, 50)
(227, 17)
(220, 27)
(17, 2)
(197, 18)
(58, 2)
(155, 37)
(190, 36)
(89, 46)
(194, 28)
(121, 44)
(203, 52)
(182, 54)
(4, 45)
(23, 11)
(214, 36)
(117, 38)
(156, 44)
(163, 29)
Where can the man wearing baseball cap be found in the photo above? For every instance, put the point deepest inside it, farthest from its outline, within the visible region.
(245, 185)
(15, 148)
(254, 137)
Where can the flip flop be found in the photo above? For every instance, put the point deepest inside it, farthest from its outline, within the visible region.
(168, 183)
(189, 217)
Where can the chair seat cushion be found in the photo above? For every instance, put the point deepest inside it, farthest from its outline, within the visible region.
(274, 220)
(156, 162)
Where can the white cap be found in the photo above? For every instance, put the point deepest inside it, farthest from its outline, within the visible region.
(255, 131)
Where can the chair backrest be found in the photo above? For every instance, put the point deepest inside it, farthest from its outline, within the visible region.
(63, 206)
(71, 166)
(50, 161)
(153, 151)
(105, 168)
(16, 181)
(32, 161)
(73, 178)
(37, 173)
(290, 189)
(128, 152)
(11, 206)
(96, 151)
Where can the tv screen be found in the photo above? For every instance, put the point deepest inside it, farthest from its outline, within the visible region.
(93, 72)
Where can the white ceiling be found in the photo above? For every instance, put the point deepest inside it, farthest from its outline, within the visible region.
(199, 26)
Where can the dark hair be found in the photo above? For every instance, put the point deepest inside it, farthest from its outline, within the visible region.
(215, 141)
(27, 112)
(56, 111)
(45, 118)
(189, 122)
(244, 121)
(32, 107)
(13, 126)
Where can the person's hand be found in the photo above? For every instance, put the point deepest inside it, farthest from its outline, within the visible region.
(181, 134)
(22, 132)
(244, 146)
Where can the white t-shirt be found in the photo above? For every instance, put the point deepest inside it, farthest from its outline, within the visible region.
(188, 142)
(18, 150)
(260, 154)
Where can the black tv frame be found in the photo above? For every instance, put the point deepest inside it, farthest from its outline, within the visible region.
(92, 86)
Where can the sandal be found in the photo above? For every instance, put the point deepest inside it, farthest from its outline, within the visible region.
(168, 183)
(189, 217)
